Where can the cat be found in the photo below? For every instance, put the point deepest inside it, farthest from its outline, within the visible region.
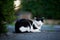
(26, 25)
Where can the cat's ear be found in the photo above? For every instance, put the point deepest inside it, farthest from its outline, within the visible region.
(42, 19)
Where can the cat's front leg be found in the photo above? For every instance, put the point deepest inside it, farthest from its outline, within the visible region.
(35, 30)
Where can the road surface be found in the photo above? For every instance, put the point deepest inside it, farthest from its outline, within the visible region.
(32, 36)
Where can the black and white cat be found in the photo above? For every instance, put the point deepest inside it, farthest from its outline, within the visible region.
(26, 25)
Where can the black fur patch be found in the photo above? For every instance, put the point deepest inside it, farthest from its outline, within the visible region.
(34, 27)
(22, 22)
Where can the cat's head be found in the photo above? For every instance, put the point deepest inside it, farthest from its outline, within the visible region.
(39, 19)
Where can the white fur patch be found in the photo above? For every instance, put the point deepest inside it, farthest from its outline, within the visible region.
(23, 29)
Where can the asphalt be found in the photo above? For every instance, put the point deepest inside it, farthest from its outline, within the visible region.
(32, 36)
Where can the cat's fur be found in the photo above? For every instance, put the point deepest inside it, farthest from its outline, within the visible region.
(26, 25)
